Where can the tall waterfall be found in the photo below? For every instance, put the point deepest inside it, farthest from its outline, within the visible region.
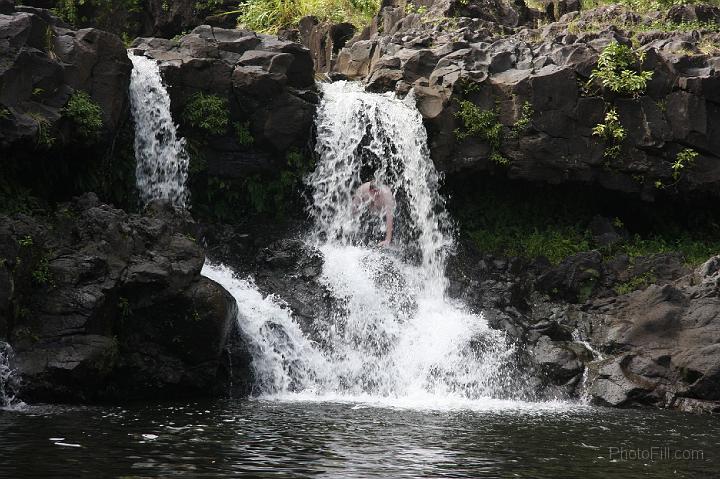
(396, 336)
(162, 161)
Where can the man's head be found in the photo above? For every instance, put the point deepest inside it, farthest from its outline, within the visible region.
(372, 187)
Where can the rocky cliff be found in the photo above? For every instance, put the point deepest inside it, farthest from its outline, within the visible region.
(102, 305)
(501, 93)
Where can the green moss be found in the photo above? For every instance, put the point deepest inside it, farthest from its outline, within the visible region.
(85, 114)
(207, 112)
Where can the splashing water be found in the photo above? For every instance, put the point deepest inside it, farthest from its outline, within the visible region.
(9, 379)
(394, 336)
(162, 162)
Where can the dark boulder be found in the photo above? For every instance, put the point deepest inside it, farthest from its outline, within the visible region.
(108, 306)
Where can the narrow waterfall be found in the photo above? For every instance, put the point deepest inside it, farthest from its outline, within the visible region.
(396, 336)
(9, 379)
(162, 161)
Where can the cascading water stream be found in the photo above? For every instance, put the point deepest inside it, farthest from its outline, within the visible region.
(9, 379)
(162, 161)
(395, 335)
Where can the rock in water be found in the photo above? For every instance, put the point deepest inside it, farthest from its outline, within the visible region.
(110, 306)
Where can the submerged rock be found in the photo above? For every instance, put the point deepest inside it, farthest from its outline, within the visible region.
(106, 306)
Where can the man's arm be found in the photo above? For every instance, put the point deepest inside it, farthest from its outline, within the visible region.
(389, 219)
(389, 223)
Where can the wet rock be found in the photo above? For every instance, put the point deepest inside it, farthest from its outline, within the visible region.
(667, 336)
(109, 306)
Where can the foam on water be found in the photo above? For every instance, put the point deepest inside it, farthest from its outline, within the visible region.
(162, 161)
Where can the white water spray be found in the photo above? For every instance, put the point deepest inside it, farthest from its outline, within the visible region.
(395, 335)
(9, 379)
(162, 162)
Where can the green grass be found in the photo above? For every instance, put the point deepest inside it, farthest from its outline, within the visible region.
(269, 16)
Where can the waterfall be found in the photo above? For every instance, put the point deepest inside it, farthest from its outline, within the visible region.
(162, 161)
(9, 379)
(395, 335)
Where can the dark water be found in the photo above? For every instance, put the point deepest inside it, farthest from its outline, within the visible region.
(341, 440)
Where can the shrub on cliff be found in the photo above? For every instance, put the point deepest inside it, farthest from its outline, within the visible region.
(617, 70)
(207, 112)
(85, 114)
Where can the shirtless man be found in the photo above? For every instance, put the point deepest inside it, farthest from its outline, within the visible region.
(380, 199)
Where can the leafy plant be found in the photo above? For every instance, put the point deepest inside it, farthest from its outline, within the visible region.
(616, 70)
(684, 159)
(242, 133)
(26, 241)
(418, 9)
(612, 132)
(207, 112)
(42, 274)
(43, 135)
(483, 124)
(523, 123)
(85, 114)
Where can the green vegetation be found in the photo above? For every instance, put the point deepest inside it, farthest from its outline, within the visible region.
(43, 134)
(617, 70)
(242, 133)
(684, 159)
(207, 112)
(641, 6)
(25, 242)
(418, 9)
(85, 114)
(484, 124)
(5, 113)
(235, 199)
(635, 283)
(42, 274)
(612, 132)
(269, 16)
(523, 123)
(124, 308)
(272, 195)
(509, 220)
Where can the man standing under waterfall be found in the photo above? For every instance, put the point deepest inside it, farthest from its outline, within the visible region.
(379, 198)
